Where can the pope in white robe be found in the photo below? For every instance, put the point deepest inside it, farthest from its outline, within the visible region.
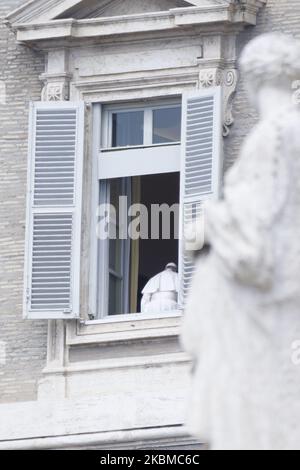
(161, 293)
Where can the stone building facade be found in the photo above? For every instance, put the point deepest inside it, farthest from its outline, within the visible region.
(25, 390)
(25, 343)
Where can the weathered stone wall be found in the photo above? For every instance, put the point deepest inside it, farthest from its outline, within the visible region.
(24, 342)
(278, 16)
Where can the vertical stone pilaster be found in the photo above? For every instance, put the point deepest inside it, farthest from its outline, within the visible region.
(53, 385)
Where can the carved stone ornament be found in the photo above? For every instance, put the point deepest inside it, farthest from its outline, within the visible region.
(228, 79)
(210, 77)
(56, 88)
(55, 92)
(229, 87)
(242, 319)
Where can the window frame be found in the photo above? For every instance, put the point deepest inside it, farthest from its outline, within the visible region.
(148, 107)
(105, 130)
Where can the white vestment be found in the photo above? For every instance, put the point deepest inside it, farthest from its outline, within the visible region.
(161, 293)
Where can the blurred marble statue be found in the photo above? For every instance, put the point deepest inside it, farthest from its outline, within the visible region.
(161, 293)
(242, 320)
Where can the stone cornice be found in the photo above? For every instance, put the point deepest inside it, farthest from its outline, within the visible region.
(46, 10)
(40, 10)
(241, 13)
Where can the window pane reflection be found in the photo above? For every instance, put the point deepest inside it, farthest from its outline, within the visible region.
(127, 129)
(166, 125)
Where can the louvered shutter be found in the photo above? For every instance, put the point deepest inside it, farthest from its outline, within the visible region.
(52, 259)
(201, 165)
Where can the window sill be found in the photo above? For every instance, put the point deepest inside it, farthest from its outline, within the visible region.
(131, 327)
(133, 317)
(138, 147)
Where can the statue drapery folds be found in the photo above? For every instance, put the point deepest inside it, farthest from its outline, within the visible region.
(243, 313)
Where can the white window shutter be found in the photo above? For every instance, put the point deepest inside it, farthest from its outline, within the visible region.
(52, 255)
(201, 166)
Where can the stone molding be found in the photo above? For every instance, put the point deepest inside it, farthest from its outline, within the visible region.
(47, 10)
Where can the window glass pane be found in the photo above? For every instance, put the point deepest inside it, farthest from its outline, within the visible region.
(167, 125)
(127, 129)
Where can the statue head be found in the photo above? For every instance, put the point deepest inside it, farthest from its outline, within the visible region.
(271, 60)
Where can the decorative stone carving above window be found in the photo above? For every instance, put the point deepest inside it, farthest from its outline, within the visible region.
(55, 90)
(229, 87)
(228, 80)
(210, 77)
(49, 25)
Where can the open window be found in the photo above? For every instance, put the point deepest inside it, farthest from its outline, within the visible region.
(157, 164)
(147, 206)
(144, 155)
(139, 194)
